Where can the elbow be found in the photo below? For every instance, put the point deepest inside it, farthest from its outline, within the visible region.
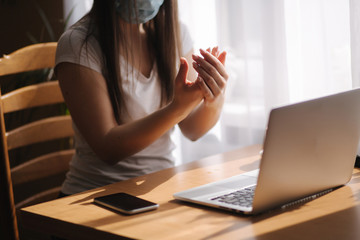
(192, 136)
(111, 150)
(110, 160)
(109, 155)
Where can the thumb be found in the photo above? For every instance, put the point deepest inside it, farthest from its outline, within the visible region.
(183, 71)
(222, 57)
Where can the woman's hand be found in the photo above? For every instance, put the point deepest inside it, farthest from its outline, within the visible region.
(187, 95)
(211, 80)
(212, 76)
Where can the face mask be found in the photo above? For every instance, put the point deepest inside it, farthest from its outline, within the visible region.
(146, 10)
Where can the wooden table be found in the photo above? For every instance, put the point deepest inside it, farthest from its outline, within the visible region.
(333, 216)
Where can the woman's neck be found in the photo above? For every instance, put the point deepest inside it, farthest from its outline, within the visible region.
(136, 46)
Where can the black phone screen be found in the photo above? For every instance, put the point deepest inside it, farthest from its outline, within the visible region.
(126, 203)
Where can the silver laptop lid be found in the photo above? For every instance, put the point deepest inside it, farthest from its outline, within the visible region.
(309, 147)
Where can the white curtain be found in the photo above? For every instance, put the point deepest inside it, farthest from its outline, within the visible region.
(355, 41)
(279, 52)
(355, 44)
(75, 9)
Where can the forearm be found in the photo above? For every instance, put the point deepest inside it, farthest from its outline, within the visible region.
(201, 120)
(127, 139)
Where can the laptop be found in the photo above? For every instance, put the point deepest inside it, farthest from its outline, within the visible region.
(309, 149)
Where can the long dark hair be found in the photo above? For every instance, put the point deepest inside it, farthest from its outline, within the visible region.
(162, 39)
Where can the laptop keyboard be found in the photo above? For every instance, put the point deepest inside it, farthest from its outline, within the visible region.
(243, 197)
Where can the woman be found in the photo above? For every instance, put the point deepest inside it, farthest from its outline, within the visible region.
(118, 73)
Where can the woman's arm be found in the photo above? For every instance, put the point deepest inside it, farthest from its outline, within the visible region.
(212, 78)
(87, 98)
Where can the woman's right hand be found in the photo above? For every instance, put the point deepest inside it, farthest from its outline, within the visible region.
(187, 95)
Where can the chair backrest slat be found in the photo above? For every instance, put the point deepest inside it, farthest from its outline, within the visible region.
(40, 131)
(38, 168)
(46, 195)
(33, 57)
(32, 96)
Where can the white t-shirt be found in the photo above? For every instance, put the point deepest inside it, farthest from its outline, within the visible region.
(142, 96)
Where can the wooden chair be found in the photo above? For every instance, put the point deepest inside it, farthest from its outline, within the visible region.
(49, 128)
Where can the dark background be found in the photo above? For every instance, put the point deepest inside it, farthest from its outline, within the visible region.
(18, 18)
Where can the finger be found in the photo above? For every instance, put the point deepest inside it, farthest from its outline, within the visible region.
(213, 51)
(217, 52)
(210, 70)
(209, 80)
(183, 71)
(204, 89)
(215, 62)
(222, 57)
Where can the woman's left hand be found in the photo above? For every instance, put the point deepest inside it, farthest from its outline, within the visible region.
(212, 76)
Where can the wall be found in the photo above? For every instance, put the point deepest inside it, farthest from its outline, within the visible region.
(20, 17)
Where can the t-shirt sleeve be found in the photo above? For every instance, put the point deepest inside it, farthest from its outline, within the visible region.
(186, 40)
(71, 49)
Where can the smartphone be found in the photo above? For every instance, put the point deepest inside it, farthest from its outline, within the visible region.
(125, 203)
